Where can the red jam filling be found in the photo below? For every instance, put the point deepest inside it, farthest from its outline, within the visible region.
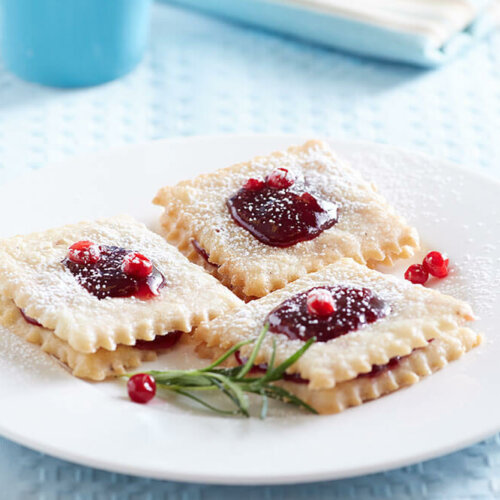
(202, 252)
(354, 307)
(107, 278)
(29, 320)
(262, 368)
(160, 342)
(391, 365)
(283, 213)
(379, 369)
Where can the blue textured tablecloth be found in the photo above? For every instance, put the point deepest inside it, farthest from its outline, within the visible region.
(202, 76)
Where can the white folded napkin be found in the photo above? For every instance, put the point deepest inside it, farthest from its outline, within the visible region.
(424, 32)
(439, 20)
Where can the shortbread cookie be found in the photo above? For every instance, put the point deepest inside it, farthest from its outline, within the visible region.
(259, 225)
(94, 366)
(401, 371)
(100, 284)
(360, 318)
(398, 373)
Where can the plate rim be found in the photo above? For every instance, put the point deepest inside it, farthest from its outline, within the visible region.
(232, 479)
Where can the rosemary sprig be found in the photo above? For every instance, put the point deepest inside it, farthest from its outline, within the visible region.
(235, 382)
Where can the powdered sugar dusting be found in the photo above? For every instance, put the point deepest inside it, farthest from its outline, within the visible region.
(32, 274)
(22, 362)
(367, 226)
(469, 234)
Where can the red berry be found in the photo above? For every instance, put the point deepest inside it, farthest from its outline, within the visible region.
(436, 264)
(137, 265)
(141, 388)
(280, 179)
(320, 302)
(254, 184)
(417, 274)
(307, 198)
(84, 252)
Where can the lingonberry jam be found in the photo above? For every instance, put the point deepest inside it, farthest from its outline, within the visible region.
(393, 363)
(354, 307)
(160, 342)
(379, 369)
(262, 368)
(202, 252)
(29, 320)
(283, 213)
(107, 277)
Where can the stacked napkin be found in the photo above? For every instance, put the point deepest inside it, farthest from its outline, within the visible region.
(424, 32)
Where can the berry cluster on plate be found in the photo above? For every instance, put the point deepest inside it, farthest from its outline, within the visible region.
(282, 248)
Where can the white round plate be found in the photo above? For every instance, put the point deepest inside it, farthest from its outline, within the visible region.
(43, 407)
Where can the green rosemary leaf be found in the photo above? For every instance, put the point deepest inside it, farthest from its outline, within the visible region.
(280, 370)
(234, 382)
(205, 404)
(270, 365)
(235, 390)
(185, 380)
(227, 354)
(248, 365)
(228, 372)
(281, 394)
(232, 397)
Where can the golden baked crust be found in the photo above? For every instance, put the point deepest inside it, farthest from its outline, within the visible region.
(417, 315)
(31, 274)
(368, 230)
(95, 366)
(409, 370)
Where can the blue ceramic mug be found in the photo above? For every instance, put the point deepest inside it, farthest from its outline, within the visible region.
(72, 43)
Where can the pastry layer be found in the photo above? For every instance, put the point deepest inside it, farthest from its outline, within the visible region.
(368, 229)
(417, 314)
(31, 274)
(96, 366)
(420, 363)
(410, 370)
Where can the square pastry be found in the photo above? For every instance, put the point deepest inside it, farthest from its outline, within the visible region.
(262, 224)
(84, 289)
(93, 366)
(374, 333)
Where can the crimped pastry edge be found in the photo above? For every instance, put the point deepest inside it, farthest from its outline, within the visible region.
(420, 363)
(180, 227)
(88, 324)
(93, 366)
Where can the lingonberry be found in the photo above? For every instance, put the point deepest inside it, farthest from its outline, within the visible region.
(141, 388)
(436, 263)
(137, 265)
(320, 302)
(254, 184)
(280, 179)
(417, 274)
(84, 252)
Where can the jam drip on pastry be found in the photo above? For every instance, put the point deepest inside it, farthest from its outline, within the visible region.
(281, 211)
(29, 320)
(262, 368)
(202, 252)
(109, 271)
(326, 312)
(160, 342)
